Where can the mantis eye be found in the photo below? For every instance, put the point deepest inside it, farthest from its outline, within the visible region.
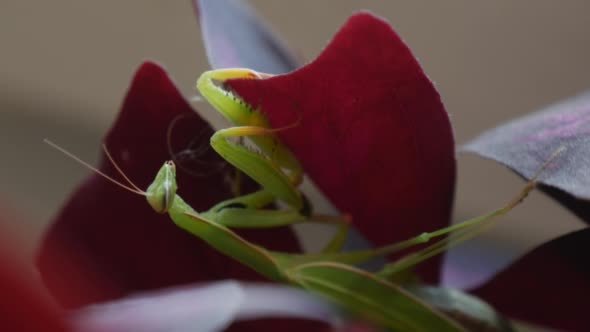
(160, 194)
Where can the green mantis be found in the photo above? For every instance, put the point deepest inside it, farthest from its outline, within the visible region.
(332, 272)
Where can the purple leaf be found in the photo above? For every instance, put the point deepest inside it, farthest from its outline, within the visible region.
(234, 36)
(202, 307)
(549, 286)
(525, 144)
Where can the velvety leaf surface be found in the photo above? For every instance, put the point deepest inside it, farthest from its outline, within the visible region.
(114, 236)
(525, 144)
(372, 132)
(548, 286)
(234, 36)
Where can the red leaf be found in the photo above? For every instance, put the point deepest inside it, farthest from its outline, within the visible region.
(373, 133)
(22, 305)
(277, 324)
(548, 286)
(114, 236)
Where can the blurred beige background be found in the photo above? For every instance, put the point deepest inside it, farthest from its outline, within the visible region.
(65, 66)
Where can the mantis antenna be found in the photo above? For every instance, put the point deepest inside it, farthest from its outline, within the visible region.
(132, 188)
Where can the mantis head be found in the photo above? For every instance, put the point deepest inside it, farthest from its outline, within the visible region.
(160, 194)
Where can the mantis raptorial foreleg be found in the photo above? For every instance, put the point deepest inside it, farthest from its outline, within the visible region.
(260, 168)
(273, 166)
(240, 114)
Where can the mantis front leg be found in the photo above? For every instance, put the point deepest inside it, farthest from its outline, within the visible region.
(255, 165)
(273, 166)
(237, 112)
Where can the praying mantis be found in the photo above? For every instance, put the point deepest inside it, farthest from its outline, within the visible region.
(332, 272)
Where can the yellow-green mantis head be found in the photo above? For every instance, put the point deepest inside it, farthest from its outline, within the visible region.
(160, 194)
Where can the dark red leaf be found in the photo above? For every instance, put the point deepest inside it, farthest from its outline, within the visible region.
(549, 286)
(22, 304)
(234, 36)
(22, 308)
(114, 236)
(525, 144)
(372, 132)
(278, 324)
